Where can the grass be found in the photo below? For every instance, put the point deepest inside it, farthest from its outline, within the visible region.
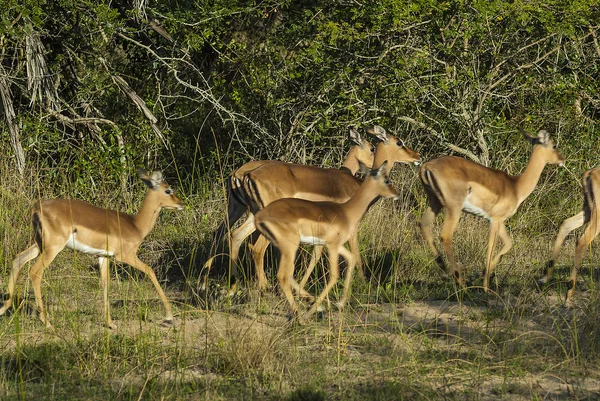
(407, 333)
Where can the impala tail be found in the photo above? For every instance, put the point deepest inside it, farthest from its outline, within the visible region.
(36, 224)
(591, 193)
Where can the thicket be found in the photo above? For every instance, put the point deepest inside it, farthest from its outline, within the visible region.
(95, 89)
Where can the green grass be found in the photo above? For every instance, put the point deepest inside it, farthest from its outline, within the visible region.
(407, 332)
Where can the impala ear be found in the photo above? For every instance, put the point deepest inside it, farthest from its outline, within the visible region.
(533, 139)
(543, 137)
(151, 181)
(378, 132)
(355, 137)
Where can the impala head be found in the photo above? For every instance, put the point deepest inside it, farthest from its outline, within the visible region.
(363, 151)
(391, 149)
(380, 178)
(543, 142)
(156, 184)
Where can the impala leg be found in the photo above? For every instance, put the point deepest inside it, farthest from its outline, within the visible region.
(300, 291)
(259, 248)
(104, 281)
(355, 249)
(135, 262)
(507, 244)
(36, 272)
(334, 274)
(237, 238)
(448, 228)
(22, 258)
(315, 256)
(285, 275)
(591, 231)
(494, 228)
(349, 256)
(426, 231)
(235, 210)
(566, 227)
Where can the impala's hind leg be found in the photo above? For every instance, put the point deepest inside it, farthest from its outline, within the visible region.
(426, 230)
(450, 223)
(591, 231)
(36, 272)
(259, 248)
(566, 227)
(22, 258)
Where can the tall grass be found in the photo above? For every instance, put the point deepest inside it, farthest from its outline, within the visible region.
(408, 333)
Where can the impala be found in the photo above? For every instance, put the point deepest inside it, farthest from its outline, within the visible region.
(66, 223)
(359, 157)
(589, 215)
(460, 185)
(289, 222)
(271, 182)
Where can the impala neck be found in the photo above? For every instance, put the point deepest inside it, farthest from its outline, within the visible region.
(359, 204)
(351, 162)
(146, 218)
(381, 155)
(528, 180)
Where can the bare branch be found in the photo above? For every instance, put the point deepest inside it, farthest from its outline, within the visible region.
(439, 136)
(9, 113)
(39, 81)
(141, 105)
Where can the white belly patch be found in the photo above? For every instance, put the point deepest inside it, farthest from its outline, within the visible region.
(311, 240)
(472, 209)
(73, 244)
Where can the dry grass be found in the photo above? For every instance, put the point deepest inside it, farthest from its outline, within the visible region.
(406, 334)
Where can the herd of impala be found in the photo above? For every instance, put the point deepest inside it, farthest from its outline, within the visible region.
(293, 204)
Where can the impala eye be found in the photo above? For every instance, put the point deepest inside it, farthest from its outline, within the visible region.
(400, 143)
(168, 191)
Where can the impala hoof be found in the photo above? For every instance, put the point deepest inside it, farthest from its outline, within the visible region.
(167, 323)
(542, 282)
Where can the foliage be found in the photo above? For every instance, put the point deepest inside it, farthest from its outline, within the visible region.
(285, 79)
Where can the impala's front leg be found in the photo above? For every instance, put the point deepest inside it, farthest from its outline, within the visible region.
(507, 246)
(348, 279)
(355, 249)
(135, 262)
(494, 228)
(104, 281)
